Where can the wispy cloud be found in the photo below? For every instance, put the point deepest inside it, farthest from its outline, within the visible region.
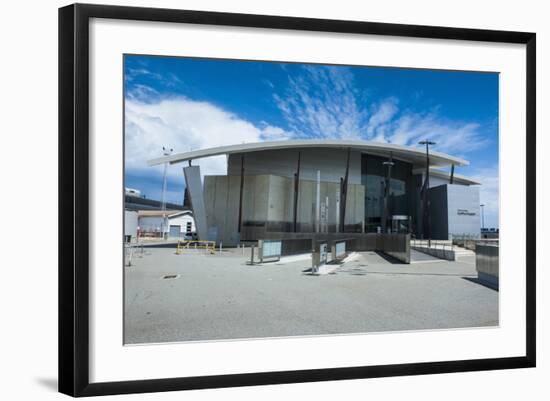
(450, 136)
(324, 102)
(133, 73)
(142, 93)
(135, 78)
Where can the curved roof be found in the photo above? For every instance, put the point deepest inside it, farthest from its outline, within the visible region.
(417, 156)
(460, 179)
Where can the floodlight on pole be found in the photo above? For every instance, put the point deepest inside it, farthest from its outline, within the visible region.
(426, 202)
(482, 216)
(165, 152)
(389, 164)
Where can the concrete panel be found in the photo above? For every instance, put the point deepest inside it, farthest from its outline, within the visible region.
(194, 186)
(396, 245)
(281, 202)
(231, 234)
(306, 206)
(268, 204)
(284, 163)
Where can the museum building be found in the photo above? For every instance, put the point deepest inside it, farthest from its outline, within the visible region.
(329, 186)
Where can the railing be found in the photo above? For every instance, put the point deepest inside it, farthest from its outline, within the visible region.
(470, 241)
(131, 249)
(208, 246)
(433, 244)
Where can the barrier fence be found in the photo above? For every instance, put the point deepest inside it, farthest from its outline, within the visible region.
(433, 244)
(207, 246)
(132, 250)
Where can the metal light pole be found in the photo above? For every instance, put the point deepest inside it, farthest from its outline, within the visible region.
(165, 152)
(388, 164)
(482, 216)
(426, 202)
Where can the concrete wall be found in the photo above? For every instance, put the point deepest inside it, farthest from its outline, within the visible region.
(487, 264)
(331, 163)
(268, 205)
(221, 198)
(441, 253)
(396, 245)
(196, 196)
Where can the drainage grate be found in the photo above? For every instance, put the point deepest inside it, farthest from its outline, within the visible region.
(170, 276)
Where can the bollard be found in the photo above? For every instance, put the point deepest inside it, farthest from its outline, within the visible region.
(252, 254)
(221, 245)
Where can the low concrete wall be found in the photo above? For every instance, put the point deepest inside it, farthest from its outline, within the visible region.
(487, 264)
(440, 253)
(395, 245)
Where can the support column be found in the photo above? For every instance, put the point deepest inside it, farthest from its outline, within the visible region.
(344, 195)
(240, 195)
(318, 203)
(194, 186)
(296, 193)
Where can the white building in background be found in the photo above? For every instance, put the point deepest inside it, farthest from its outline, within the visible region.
(176, 224)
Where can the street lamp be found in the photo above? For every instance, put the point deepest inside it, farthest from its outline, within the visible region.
(389, 164)
(165, 152)
(482, 217)
(426, 202)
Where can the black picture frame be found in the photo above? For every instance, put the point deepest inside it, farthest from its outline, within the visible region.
(74, 201)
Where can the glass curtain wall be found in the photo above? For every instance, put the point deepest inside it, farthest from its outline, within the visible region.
(373, 177)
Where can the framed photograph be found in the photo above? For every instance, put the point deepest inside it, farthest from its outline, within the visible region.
(251, 199)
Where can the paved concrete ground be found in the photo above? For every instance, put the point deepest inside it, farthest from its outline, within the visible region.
(220, 297)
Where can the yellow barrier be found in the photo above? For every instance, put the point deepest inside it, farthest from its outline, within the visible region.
(206, 245)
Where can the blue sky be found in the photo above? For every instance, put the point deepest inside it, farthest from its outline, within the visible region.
(187, 103)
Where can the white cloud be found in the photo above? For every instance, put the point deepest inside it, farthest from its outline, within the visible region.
(184, 125)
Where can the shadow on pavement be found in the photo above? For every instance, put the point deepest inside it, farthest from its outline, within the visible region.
(481, 282)
(389, 259)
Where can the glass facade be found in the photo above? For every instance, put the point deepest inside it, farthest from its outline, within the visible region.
(373, 177)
